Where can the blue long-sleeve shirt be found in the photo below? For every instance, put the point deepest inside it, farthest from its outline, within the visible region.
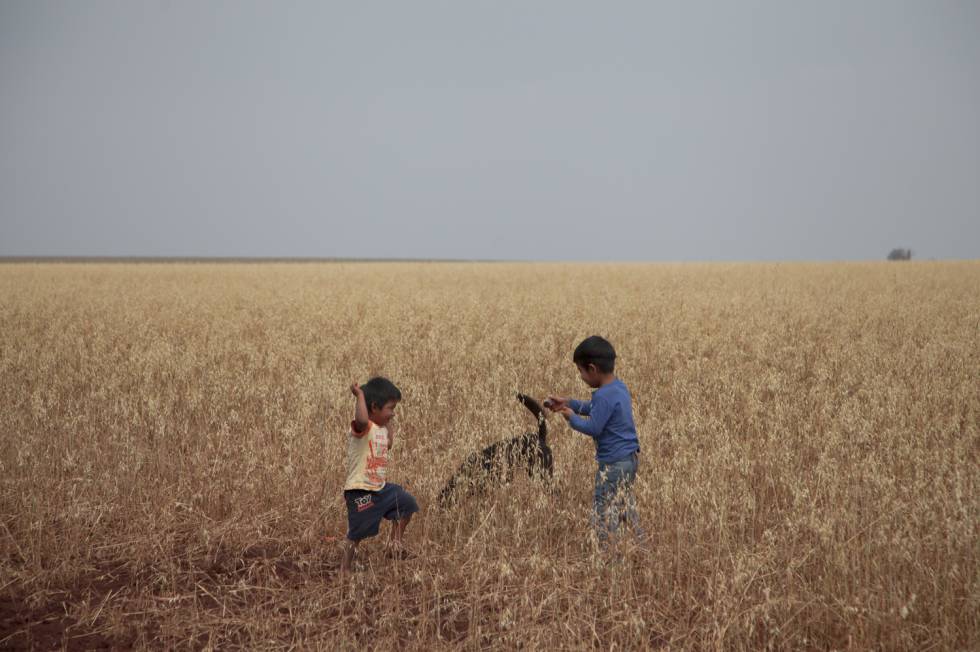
(610, 421)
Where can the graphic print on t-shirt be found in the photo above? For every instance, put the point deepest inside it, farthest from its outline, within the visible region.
(377, 459)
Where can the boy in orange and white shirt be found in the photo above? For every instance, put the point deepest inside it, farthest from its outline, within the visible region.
(368, 496)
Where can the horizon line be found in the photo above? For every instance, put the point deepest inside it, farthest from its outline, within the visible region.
(338, 259)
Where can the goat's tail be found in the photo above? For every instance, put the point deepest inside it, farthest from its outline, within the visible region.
(536, 410)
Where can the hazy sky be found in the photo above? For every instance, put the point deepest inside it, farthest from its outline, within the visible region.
(728, 130)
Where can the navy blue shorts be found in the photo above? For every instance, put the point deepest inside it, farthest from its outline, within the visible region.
(365, 509)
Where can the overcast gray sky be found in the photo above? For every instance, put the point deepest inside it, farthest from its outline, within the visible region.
(504, 130)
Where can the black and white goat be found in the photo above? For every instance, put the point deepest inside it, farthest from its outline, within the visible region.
(495, 464)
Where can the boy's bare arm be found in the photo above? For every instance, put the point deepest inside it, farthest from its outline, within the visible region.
(361, 421)
(391, 434)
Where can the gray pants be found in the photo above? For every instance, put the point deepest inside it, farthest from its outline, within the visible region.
(614, 502)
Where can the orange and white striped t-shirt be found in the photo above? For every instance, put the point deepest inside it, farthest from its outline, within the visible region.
(367, 458)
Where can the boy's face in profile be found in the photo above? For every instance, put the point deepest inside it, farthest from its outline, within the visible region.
(589, 375)
(382, 415)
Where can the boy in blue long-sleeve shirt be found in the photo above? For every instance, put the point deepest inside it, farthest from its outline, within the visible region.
(609, 421)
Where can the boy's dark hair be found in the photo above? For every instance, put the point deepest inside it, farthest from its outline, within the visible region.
(598, 351)
(379, 391)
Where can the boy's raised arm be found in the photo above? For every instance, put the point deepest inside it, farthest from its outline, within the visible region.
(361, 421)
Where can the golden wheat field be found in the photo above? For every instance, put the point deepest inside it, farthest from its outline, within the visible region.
(172, 451)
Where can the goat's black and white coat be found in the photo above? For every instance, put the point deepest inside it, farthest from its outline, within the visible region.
(496, 463)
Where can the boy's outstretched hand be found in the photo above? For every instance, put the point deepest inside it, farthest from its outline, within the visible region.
(356, 390)
(559, 405)
(555, 403)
